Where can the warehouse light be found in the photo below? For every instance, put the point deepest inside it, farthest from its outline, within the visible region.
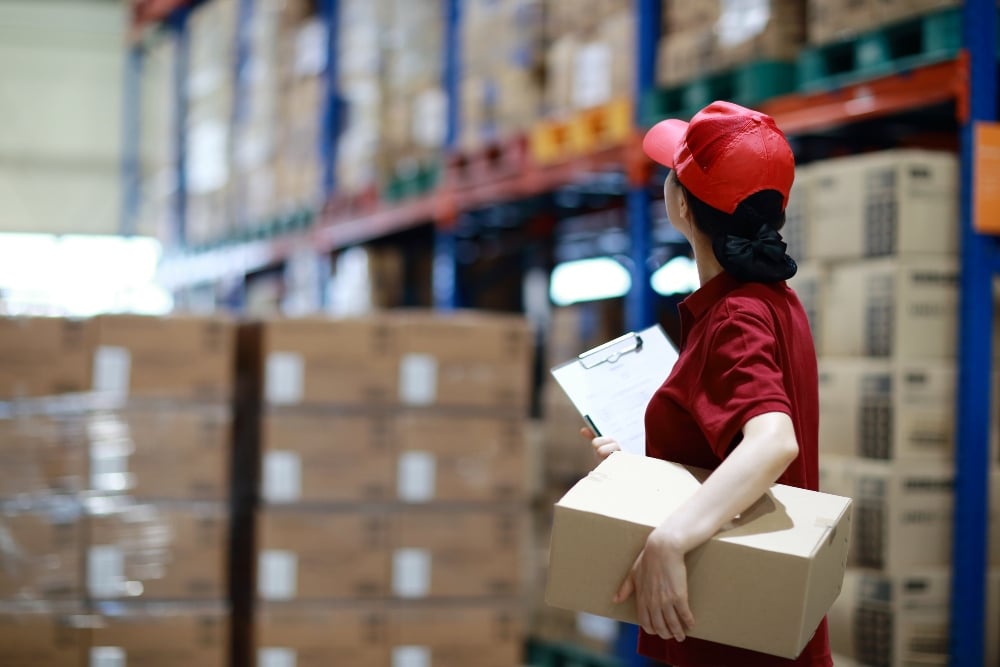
(589, 280)
(678, 276)
(45, 274)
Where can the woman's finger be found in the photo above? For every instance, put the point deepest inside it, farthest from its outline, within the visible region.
(604, 451)
(673, 622)
(587, 433)
(626, 590)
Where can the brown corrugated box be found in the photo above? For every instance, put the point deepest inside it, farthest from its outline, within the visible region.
(41, 552)
(179, 453)
(785, 554)
(454, 458)
(41, 454)
(456, 635)
(324, 457)
(178, 358)
(314, 554)
(311, 635)
(157, 552)
(43, 635)
(160, 635)
(43, 356)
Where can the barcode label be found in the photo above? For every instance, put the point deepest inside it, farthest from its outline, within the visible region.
(276, 657)
(285, 383)
(105, 571)
(112, 370)
(416, 477)
(277, 574)
(282, 477)
(411, 573)
(107, 656)
(411, 656)
(418, 379)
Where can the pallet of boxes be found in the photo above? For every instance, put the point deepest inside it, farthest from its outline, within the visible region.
(384, 461)
(115, 496)
(878, 240)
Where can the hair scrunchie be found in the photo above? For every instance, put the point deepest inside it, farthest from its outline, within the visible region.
(759, 259)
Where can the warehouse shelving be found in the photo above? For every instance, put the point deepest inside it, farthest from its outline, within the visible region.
(966, 82)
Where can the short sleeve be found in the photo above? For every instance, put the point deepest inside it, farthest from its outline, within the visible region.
(742, 379)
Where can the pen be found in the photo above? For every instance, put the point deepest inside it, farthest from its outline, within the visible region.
(590, 423)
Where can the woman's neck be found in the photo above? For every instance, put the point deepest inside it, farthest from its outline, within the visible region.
(704, 258)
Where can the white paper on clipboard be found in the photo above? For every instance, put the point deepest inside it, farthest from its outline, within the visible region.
(611, 385)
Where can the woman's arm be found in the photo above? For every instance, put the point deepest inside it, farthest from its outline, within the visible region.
(659, 577)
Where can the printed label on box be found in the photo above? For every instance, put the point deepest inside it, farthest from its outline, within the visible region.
(592, 75)
(282, 477)
(107, 656)
(109, 466)
(277, 574)
(276, 657)
(411, 573)
(411, 656)
(285, 378)
(417, 472)
(105, 571)
(112, 370)
(418, 379)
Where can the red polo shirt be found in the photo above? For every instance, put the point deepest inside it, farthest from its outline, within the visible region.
(746, 349)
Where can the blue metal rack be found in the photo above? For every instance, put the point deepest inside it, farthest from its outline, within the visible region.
(178, 24)
(979, 261)
(330, 119)
(131, 138)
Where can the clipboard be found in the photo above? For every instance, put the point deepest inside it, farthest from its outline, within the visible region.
(611, 384)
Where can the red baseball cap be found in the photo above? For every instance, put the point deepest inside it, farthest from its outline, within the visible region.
(725, 154)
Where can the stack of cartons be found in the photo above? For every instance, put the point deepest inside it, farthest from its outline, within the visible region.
(115, 504)
(833, 20)
(879, 280)
(390, 454)
(589, 58)
(502, 56)
(157, 169)
(208, 125)
(700, 38)
(303, 46)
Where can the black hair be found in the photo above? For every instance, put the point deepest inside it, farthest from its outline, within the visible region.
(746, 242)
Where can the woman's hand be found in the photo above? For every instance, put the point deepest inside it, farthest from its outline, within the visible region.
(658, 579)
(603, 445)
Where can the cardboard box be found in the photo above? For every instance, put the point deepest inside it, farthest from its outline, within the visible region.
(796, 229)
(899, 203)
(157, 552)
(42, 454)
(316, 635)
(313, 554)
(902, 618)
(179, 453)
(467, 359)
(456, 635)
(160, 635)
(788, 552)
(178, 358)
(566, 456)
(41, 552)
(319, 361)
(455, 458)
(903, 309)
(884, 410)
(904, 512)
(52, 635)
(832, 20)
(455, 553)
(319, 457)
(43, 356)
(810, 284)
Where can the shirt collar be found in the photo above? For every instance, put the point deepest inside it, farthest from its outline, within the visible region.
(697, 304)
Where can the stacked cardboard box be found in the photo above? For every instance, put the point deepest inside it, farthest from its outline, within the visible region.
(212, 31)
(157, 171)
(116, 502)
(502, 56)
(704, 37)
(589, 57)
(879, 280)
(394, 446)
(832, 20)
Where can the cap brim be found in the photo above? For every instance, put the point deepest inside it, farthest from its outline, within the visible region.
(660, 142)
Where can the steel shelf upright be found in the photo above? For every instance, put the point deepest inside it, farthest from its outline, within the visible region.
(331, 109)
(445, 280)
(976, 309)
(640, 303)
(178, 24)
(131, 160)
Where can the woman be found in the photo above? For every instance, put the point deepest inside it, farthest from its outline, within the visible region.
(742, 399)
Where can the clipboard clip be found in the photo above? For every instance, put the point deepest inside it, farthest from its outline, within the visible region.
(611, 351)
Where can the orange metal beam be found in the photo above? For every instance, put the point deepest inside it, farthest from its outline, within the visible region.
(913, 89)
